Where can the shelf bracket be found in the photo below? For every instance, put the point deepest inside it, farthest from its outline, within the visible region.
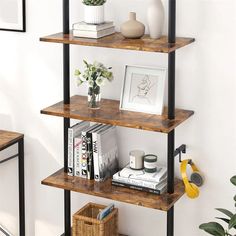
(178, 151)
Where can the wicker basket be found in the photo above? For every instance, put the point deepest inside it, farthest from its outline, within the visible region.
(85, 222)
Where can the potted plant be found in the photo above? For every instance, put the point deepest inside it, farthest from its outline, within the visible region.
(94, 11)
(217, 229)
(95, 75)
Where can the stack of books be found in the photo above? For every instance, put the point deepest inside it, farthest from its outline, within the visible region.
(92, 151)
(141, 180)
(84, 30)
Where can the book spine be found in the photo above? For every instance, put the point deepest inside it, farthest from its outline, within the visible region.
(141, 183)
(83, 163)
(90, 172)
(77, 155)
(95, 156)
(70, 169)
(131, 186)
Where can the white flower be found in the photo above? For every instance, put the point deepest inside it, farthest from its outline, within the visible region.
(100, 81)
(79, 82)
(90, 83)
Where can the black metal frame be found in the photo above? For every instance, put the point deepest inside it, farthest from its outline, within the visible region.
(21, 182)
(171, 112)
(23, 20)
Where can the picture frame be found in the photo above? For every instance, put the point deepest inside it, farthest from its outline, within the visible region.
(143, 89)
(12, 15)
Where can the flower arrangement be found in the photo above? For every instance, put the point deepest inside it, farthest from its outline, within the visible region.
(217, 229)
(95, 75)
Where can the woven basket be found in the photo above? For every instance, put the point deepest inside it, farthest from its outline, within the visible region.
(85, 222)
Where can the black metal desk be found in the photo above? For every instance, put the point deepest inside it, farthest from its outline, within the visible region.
(8, 139)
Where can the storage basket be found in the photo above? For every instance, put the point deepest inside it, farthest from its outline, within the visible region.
(85, 222)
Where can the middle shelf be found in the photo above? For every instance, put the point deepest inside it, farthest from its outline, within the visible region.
(105, 189)
(109, 113)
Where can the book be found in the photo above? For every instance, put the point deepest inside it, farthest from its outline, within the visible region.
(156, 177)
(94, 34)
(84, 156)
(90, 168)
(74, 131)
(107, 153)
(159, 191)
(91, 27)
(95, 138)
(137, 182)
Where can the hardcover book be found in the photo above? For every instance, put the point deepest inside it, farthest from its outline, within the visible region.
(94, 34)
(73, 132)
(91, 27)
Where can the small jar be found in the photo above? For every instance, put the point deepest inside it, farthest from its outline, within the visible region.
(136, 159)
(150, 163)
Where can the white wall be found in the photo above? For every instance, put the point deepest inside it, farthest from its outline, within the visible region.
(31, 79)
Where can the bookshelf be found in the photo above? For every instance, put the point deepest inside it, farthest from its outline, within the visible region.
(75, 107)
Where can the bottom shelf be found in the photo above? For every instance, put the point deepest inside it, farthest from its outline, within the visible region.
(105, 189)
(119, 235)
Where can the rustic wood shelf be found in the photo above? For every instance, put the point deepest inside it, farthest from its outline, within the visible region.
(118, 41)
(109, 113)
(8, 138)
(105, 189)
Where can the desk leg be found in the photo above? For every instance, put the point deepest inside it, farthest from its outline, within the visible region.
(21, 187)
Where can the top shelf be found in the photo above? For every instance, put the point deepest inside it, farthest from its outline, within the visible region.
(8, 138)
(118, 41)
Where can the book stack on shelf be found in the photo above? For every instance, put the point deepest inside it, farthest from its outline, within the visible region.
(84, 30)
(92, 151)
(139, 179)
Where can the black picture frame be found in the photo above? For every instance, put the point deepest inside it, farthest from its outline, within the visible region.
(22, 23)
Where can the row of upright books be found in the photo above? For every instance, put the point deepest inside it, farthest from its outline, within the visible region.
(92, 151)
(84, 30)
(140, 180)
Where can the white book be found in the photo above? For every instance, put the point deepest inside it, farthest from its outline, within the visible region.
(156, 177)
(107, 153)
(92, 27)
(141, 183)
(84, 154)
(95, 150)
(94, 34)
(73, 131)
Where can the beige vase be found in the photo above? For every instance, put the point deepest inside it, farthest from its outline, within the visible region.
(132, 28)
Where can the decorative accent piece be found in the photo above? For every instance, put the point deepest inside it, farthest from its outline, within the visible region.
(150, 163)
(94, 11)
(155, 18)
(136, 159)
(96, 75)
(12, 15)
(132, 28)
(143, 89)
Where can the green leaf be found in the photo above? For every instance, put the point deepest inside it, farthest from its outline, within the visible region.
(233, 180)
(213, 228)
(235, 198)
(226, 212)
(223, 219)
(232, 222)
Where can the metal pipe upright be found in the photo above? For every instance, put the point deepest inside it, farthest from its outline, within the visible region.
(66, 98)
(171, 112)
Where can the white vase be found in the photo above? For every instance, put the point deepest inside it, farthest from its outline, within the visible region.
(155, 18)
(94, 14)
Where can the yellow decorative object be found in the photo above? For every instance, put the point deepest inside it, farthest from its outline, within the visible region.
(191, 189)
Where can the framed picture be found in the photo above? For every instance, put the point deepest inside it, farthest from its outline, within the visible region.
(143, 89)
(12, 15)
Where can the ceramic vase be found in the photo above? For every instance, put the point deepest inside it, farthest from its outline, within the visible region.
(94, 14)
(155, 18)
(132, 28)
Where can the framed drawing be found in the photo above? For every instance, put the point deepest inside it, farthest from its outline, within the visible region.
(12, 15)
(143, 89)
